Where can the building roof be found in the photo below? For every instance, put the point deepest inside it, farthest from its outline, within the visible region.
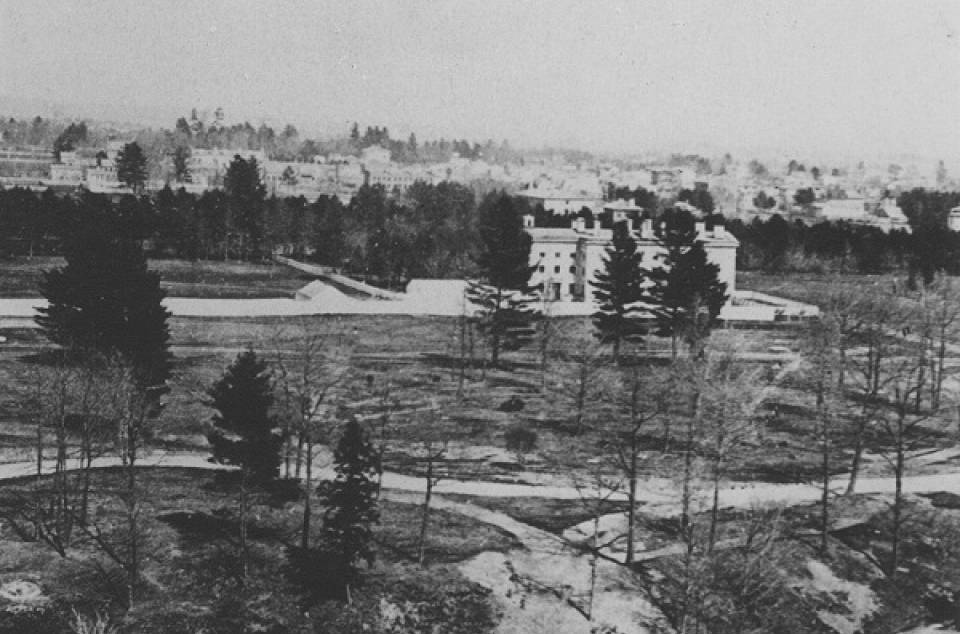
(714, 238)
(552, 194)
(622, 205)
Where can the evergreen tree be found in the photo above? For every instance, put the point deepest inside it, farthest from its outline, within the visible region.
(619, 286)
(246, 200)
(181, 164)
(686, 295)
(243, 432)
(504, 260)
(132, 167)
(105, 299)
(351, 503)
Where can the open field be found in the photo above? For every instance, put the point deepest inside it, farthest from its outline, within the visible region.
(21, 277)
(812, 287)
(416, 357)
(473, 408)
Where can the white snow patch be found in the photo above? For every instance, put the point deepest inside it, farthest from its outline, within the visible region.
(861, 601)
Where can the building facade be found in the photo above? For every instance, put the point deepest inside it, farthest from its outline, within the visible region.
(566, 261)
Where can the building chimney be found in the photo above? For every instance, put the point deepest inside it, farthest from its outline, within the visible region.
(528, 221)
(629, 222)
(579, 224)
(701, 228)
(719, 231)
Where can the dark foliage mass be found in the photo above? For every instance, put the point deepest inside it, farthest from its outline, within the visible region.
(686, 295)
(619, 288)
(503, 257)
(430, 231)
(243, 432)
(777, 245)
(105, 299)
(347, 523)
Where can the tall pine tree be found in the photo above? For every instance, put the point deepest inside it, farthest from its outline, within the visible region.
(618, 288)
(132, 167)
(105, 299)
(246, 202)
(503, 301)
(351, 503)
(244, 432)
(687, 294)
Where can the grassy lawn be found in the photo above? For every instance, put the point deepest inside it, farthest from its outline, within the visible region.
(21, 277)
(811, 287)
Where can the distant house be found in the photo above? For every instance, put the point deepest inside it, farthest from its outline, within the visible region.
(562, 203)
(953, 220)
(884, 214)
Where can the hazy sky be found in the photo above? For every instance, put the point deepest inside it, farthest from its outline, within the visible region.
(808, 76)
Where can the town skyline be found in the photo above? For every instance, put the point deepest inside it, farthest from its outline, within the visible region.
(864, 79)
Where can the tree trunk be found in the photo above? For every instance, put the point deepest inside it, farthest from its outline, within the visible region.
(632, 504)
(688, 467)
(37, 484)
(825, 492)
(897, 498)
(941, 356)
(307, 496)
(133, 537)
(244, 552)
(857, 455)
(593, 566)
(581, 396)
(715, 507)
(301, 440)
(425, 519)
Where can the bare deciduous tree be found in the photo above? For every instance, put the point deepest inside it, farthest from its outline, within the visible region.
(641, 395)
(312, 372)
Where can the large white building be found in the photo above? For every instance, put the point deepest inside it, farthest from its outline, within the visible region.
(567, 260)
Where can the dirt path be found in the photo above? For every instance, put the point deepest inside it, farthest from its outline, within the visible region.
(545, 586)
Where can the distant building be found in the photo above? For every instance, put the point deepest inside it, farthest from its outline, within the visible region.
(566, 261)
(210, 165)
(25, 161)
(375, 154)
(953, 220)
(884, 214)
(562, 203)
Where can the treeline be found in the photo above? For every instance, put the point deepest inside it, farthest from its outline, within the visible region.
(776, 245)
(428, 232)
(283, 144)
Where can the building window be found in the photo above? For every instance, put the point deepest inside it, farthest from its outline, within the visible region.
(556, 269)
(556, 255)
(573, 289)
(542, 255)
(540, 269)
(573, 270)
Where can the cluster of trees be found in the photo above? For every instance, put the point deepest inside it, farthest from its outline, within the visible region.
(36, 131)
(440, 151)
(777, 245)
(429, 232)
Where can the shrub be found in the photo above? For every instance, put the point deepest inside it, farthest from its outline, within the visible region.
(512, 404)
(520, 440)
